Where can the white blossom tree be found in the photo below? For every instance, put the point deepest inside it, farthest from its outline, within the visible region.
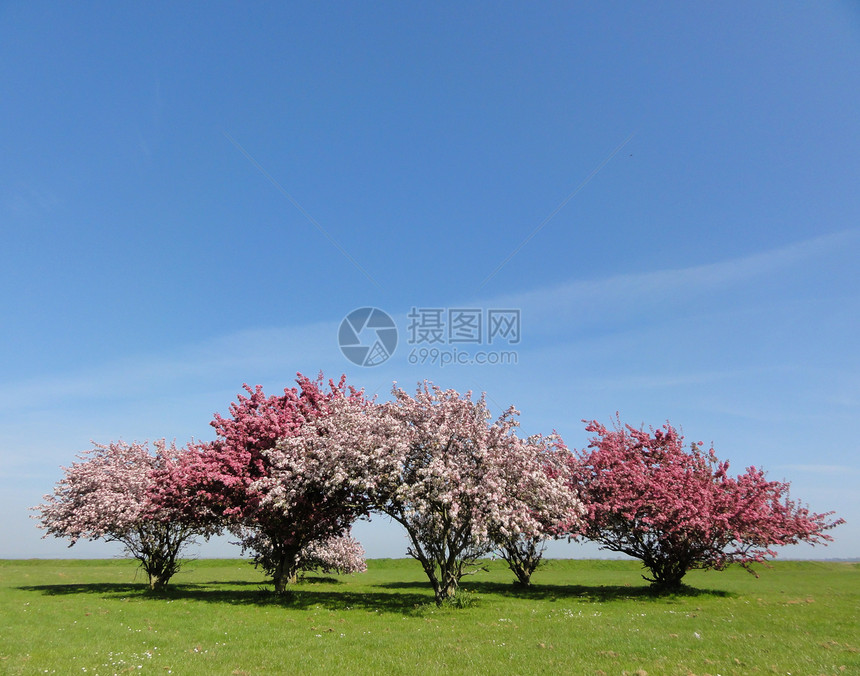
(454, 480)
(543, 501)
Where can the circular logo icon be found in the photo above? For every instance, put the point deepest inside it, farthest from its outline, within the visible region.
(367, 336)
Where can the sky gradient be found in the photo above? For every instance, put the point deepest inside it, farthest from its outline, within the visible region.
(194, 198)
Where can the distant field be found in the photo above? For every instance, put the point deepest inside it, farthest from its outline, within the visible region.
(581, 617)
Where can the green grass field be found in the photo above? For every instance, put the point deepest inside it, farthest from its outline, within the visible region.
(580, 617)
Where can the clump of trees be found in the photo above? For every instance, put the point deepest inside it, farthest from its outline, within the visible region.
(463, 485)
(460, 484)
(288, 475)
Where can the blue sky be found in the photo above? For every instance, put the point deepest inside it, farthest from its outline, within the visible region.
(194, 197)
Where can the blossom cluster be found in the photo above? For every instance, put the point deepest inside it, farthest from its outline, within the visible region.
(342, 554)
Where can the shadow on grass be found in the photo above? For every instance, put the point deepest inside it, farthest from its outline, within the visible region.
(552, 592)
(406, 598)
(314, 579)
(319, 580)
(301, 597)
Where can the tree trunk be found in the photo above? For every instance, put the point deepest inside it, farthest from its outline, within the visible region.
(522, 566)
(447, 585)
(159, 569)
(523, 556)
(285, 573)
(524, 577)
(667, 575)
(444, 593)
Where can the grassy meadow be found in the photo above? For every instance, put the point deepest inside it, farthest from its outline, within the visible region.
(580, 617)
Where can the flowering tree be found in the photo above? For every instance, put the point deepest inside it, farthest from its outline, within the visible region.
(453, 479)
(678, 510)
(323, 476)
(109, 495)
(538, 477)
(276, 501)
(342, 554)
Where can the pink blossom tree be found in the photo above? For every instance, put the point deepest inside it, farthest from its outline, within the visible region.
(277, 502)
(677, 509)
(335, 462)
(109, 495)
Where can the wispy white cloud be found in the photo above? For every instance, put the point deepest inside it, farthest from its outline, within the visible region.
(587, 300)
